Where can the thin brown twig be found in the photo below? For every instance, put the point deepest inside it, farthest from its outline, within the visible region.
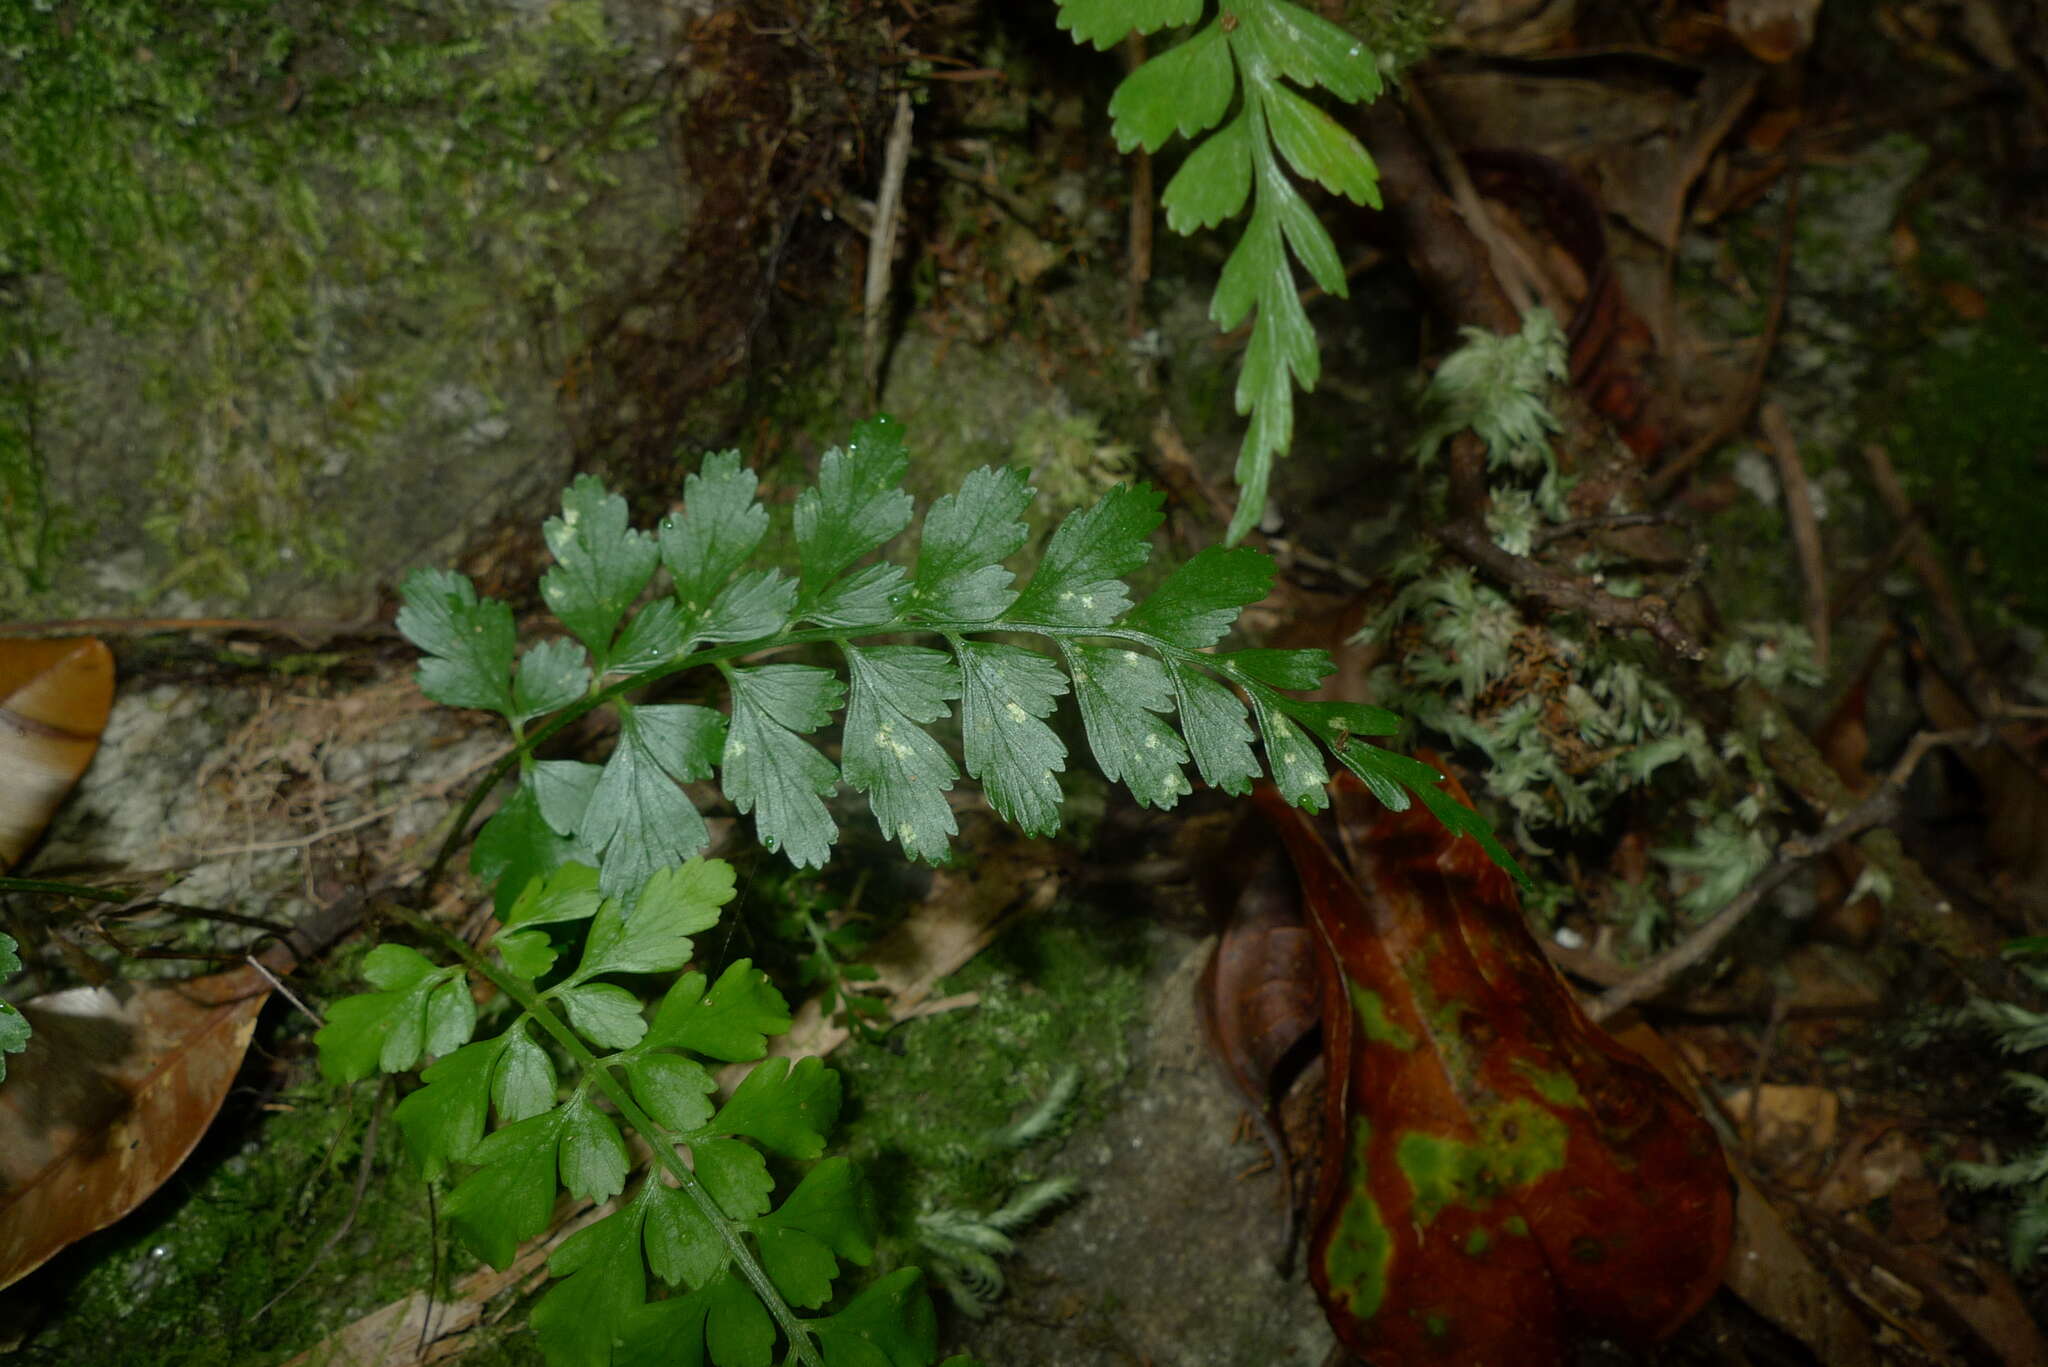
(1871, 575)
(984, 183)
(1138, 269)
(1565, 593)
(1759, 1066)
(1927, 567)
(882, 245)
(293, 842)
(304, 631)
(1508, 269)
(1737, 411)
(1448, 260)
(1874, 810)
(1799, 514)
(1287, 550)
(1659, 973)
(284, 990)
(1580, 526)
(355, 1205)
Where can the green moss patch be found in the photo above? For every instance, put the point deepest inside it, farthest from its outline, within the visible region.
(923, 1104)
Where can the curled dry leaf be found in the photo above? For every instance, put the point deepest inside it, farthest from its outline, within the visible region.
(116, 1088)
(1498, 1175)
(54, 698)
(1257, 1001)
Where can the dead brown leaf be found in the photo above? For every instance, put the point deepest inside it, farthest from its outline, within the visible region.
(1773, 30)
(114, 1091)
(421, 1328)
(54, 699)
(1790, 1128)
(1771, 1271)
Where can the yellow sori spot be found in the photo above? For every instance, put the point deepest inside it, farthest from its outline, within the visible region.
(1017, 714)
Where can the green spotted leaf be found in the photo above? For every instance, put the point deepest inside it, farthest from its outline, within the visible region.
(770, 770)
(1184, 90)
(1122, 696)
(1080, 579)
(1006, 693)
(896, 691)
(967, 535)
(601, 564)
(468, 641)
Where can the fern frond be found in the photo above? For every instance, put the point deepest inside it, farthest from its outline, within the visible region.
(1154, 695)
(1251, 56)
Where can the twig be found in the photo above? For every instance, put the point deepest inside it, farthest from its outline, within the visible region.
(1288, 549)
(1450, 166)
(1564, 593)
(294, 842)
(1871, 575)
(1987, 30)
(1658, 974)
(1777, 430)
(280, 986)
(984, 183)
(305, 631)
(1731, 418)
(1873, 810)
(79, 890)
(882, 245)
(1138, 269)
(1927, 567)
(1758, 1067)
(355, 1204)
(1580, 526)
(1448, 259)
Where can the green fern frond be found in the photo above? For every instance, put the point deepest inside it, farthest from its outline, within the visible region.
(1153, 694)
(1047, 1118)
(1249, 58)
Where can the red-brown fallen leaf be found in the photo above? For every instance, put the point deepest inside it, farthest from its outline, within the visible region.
(54, 698)
(116, 1087)
(1767, 1267)
(1498, 1174)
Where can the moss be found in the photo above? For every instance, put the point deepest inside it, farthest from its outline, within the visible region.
(301, 237)
(1059, 991)
(1968, 441)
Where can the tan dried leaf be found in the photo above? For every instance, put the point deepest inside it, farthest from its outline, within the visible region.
(115, 1090)
(54, 699)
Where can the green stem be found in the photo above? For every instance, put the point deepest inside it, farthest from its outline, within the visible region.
(522, 992)
(78, 890)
